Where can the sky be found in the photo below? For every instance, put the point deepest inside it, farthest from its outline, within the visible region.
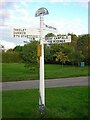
(65, 15)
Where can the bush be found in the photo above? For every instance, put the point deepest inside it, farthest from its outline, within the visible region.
(11, 57)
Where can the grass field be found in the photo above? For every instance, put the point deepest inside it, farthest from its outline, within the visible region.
(68, 102)
(17, 71)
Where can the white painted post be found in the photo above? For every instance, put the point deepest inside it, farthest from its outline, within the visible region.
(41, 12)
(42, 85)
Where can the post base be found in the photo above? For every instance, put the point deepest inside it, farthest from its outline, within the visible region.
(42, 110)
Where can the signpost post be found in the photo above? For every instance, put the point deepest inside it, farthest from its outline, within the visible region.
(41, 12)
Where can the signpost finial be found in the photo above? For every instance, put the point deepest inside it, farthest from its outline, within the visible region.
(41, 11)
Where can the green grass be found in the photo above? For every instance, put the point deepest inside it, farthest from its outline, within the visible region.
(69, 102)
(17, 71)
(57, 71)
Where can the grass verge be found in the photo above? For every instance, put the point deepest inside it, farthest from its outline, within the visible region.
(17, 71)
(66, 102)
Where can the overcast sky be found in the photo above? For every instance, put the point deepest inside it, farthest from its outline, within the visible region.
(65, 15)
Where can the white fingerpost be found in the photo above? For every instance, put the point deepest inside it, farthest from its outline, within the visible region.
(42, 86)
(41, 12)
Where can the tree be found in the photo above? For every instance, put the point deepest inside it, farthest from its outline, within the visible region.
(10, 50)
(72, 55)
(29, 53)
(50, 35)
(53, 49)
(82, 46)
(11, 57)
(61, 57)
(18, 49)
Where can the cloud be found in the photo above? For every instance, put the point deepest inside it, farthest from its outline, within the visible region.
(4, 13)
(75, 26)
(83, 0)
(68, 1)
(56, 1)
(24, 4)
(7, 44)
(53, 1)
(18, 15)
(23, 1)
(7, 39)
(25, 21)
(21, 12)
(1, 1)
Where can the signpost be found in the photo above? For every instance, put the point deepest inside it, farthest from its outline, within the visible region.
(24, 33)
(41, 12)
(50, 40)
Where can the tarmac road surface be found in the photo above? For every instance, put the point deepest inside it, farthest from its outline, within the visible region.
(31, 84)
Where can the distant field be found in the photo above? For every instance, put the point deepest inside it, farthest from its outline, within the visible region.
(17, 71)
(68, 102)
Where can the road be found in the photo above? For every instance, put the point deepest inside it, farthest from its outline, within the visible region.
(76, 81)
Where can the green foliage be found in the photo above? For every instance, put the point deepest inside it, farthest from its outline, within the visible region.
(11, 57)
(29, 53)
(50, 52)
(61, 57)
(18, 49)
(74, 52)
(82, 46)
(50, 35)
